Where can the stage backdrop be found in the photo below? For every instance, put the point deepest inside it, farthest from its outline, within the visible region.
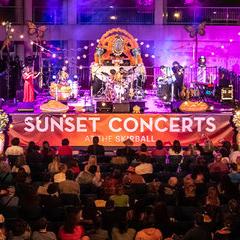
(113, 129)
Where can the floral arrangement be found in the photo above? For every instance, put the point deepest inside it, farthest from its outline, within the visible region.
(236, 118)
(4, 120)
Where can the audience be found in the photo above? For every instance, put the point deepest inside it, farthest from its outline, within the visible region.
(144, 198)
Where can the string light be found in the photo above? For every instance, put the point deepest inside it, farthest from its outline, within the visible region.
(66, 62)
(222, 47)
(84, 56)
(147, 46)
(153, 56)
(141, 43)
(78, 57)
(92, 44)
(81, 67)
(31, 42)
(230, 40)
(21, 36)
(85, 47)
(11, 126)
(146, 55)
(12, 30)
(54, 55)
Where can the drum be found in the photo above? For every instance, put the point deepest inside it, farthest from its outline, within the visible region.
(75, 89)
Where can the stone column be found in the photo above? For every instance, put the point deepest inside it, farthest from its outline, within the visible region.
(28, 16)
(19, 11)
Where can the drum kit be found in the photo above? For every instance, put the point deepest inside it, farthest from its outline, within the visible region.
(118, 87)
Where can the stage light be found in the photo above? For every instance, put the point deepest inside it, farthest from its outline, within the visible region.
(4, 23)
(31, 42)
(103, 104)
(212, 53)
(78, 57)
(211, 108)
(141, 43)
(92, 44)
(147, 46)
(153, 56)
(42, 49)
(177, 15)
(81, 67)
(146, 55)
(165, 98)
(113, 17)
(136, 39)
(230, 40)
(85, 47)
(98, 40)
(12, 30)
(154, 85)
(54, 77)
(21, 36)
(54, 55)
(11, 126)
(222, 47)
(64, 115)
(111, 6)
(66, 61)
(84, 56)
(214, 12)
(239, 34)
(75, 77)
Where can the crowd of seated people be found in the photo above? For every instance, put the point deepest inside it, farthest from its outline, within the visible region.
(172, 193)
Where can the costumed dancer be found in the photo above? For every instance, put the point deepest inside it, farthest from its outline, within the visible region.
(28, 77)
(63, 76)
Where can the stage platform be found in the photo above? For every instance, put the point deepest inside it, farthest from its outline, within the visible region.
(157, 122)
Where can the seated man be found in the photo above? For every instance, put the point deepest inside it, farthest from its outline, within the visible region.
(95, 148)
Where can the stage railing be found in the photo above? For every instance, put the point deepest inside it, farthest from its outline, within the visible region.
(53, 15)
(212, 15)
(116, 15)
(12, 14)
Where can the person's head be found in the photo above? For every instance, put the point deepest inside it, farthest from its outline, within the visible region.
(11, 191)
(113, 71)
(41, 224)
(15, 142)
(199, 219)
(175, 64)
(143, 158)
(234, 167)
(218, 157)
(159, 144)
(62, 168)
(52, 189)
(92, 160)
(69, 175)
(32, 147)
(65, 142)
(92, 169)
(162, 67)
(172, 181)
(227, 145)
(72, 219)
(212, 192)
(143, 147)
(45, 145)
(176, 146)
(19, 228)
(95, 140)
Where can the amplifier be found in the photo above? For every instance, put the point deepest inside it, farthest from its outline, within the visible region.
(104, 107)
(227, 93)
(121, 107)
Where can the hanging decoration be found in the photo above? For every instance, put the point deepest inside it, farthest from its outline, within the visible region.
(9, 35)
(36, 31)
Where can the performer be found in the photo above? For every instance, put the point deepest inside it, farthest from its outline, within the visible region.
(28, 77)
(63, 76)
(178, 71)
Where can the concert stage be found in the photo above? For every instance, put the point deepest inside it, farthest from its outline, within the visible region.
(157, 122)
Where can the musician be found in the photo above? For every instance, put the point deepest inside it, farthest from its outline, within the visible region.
(178, 71)
(63, 76)
(28, 77)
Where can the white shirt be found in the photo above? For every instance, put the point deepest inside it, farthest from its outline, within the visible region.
(14, 151)
(144, 168)
(25, 167)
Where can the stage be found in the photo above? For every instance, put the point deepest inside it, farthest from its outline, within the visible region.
(157, 122)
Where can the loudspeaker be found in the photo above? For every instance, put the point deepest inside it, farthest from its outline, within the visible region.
(104, 107)
(140, 104)
(25, 107)
(121, 107)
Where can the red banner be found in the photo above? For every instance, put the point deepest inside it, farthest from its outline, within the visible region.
(113, 129)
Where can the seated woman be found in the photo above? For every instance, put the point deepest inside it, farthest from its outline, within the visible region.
(120, 199)
(191, 151)
(159, 150)
(54, 166)
(21, 163)
(71, 230)
(143, 150)
(92, 161)
(176, 149)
